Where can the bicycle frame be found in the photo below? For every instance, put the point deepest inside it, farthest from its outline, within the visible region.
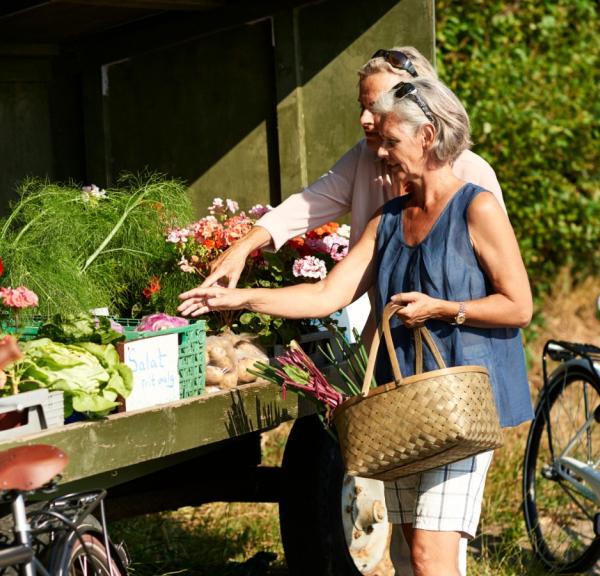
(22, 554)
(68, 510)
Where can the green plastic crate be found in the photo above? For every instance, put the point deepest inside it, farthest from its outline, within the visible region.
(191, 358)
(27, 332)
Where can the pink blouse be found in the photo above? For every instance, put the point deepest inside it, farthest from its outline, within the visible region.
(357, 183)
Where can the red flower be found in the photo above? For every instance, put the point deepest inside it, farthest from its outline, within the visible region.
(1, 267)
(152, 288)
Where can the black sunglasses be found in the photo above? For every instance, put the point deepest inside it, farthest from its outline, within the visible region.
(406, 89)
(397, 59)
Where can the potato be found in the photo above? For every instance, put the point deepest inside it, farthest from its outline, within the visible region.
(243, 365)
(218, 356)
(229, 380)
(214, 375)
(246, 349)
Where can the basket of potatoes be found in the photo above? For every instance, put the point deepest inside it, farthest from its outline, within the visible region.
(229, 360)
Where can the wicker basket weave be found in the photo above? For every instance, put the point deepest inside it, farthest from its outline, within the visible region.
(417, 423)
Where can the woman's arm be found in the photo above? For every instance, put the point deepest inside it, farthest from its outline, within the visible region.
(348, 280)
(326, 199)
(498, 253)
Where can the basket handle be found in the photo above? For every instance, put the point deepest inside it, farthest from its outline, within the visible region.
(420, 334)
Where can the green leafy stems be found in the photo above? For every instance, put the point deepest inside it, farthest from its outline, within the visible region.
(354, 358)
(296, 370)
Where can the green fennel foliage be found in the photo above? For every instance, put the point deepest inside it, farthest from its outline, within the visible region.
(77, 254)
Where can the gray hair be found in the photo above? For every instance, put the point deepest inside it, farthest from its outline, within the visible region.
(379, 64)
(450, 119)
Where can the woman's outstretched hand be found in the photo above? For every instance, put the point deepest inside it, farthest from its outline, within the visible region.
(416, 309)
(227, 268)
(202, 300)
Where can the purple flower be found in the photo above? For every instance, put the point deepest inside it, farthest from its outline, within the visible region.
(318, 245)
(309, 267)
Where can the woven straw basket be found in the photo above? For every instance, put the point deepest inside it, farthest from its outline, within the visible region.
(417, 423)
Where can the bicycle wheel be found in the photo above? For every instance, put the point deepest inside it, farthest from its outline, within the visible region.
(91, 561)
(68, 557)
(561, 520)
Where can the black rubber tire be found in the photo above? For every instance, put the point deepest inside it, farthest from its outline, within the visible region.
(553, 519)
(310, 513)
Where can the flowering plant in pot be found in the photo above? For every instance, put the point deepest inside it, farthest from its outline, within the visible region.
(301, 259)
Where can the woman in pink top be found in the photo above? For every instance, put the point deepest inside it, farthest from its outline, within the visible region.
(358, 183)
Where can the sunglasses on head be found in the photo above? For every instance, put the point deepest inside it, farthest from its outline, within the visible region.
(406, 89)
(397, 59)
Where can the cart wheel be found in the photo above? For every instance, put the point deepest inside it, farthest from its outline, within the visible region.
(331, 523)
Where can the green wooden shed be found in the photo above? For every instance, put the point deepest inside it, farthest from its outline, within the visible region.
(248, 99)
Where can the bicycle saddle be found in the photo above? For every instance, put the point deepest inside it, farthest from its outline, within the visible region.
(30, 467)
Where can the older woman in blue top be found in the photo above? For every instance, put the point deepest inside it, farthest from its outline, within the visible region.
(446, 251)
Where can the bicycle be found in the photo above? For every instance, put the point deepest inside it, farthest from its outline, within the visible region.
(60, 537)
(561, 476)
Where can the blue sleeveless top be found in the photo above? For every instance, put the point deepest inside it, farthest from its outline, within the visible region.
(444, 265)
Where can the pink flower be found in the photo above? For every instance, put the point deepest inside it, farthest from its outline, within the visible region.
(309, 267)
(185, 266)
(160, 321)
(207, 227)
(259, 210)
(178, 235)
(20, 297)
(232, 206)
(220, 207)
(237, 227)
(337, 246)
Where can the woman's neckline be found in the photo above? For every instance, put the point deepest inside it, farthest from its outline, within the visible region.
(434, 225)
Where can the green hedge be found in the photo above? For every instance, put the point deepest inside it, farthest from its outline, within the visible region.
(528, 73)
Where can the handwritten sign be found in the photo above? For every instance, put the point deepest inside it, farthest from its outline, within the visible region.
(153, 362)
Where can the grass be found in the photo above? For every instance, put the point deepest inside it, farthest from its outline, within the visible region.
(222, 539)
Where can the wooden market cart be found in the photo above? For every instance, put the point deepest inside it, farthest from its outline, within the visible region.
(250, 99)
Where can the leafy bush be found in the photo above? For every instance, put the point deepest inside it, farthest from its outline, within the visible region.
(527, 72)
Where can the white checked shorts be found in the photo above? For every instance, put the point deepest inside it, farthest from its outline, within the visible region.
(443, 499)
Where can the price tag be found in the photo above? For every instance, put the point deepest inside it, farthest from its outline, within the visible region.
(153, 362)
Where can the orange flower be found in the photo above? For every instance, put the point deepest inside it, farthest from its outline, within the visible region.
(329, 228)
(208, 243)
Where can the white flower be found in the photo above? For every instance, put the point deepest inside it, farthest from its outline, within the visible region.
(92, 193)
(344, 231)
